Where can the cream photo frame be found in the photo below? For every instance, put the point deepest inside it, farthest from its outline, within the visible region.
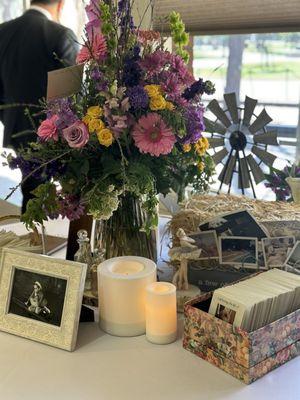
(41, 297)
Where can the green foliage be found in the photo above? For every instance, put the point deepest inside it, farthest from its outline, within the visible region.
(43, 204)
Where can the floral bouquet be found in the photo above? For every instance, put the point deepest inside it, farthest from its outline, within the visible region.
(276, 181)
(133, 131)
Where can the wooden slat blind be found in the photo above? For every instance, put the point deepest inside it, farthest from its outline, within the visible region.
(231, 16)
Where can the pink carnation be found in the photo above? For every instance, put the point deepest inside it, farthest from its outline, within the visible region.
(48, 129)
(77, 135)
(151, 135)
(96, 50)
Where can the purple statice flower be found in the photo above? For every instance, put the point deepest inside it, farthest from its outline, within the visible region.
(26, 166)
(194, 124)
(62, 108)
(198, 88)
(71, 207)
(98, 76)
(138, 97)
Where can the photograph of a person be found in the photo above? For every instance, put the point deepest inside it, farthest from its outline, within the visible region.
(37, 296)
(293, 260)
(208, 243)
(239, 223)
(225, 314)
(276, 250)
(239, 251)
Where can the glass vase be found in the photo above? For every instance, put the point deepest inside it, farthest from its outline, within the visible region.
(122, 234)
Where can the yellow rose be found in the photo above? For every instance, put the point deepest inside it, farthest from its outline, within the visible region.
(86, 119)
(201, 166)
(96, 125)
(95, 112)
(201, 146)
(186, 148)
(157, 103)
(153, 90)
(105, 137)
(169, 106)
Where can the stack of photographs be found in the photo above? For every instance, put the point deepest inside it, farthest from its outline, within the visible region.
(257, 301)
(237, 239)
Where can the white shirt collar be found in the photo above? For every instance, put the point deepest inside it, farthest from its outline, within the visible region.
(42, 11)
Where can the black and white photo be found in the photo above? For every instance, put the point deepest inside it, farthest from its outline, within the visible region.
(239, 251)
(293, 259)
(238, 223)
(37, 296)
(276, 250)
(208, 243)
(41, 297)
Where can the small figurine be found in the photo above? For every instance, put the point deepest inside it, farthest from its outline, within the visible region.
(98, 258)
(187, 251)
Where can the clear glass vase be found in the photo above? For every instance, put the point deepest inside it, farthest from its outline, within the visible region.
(121, 235)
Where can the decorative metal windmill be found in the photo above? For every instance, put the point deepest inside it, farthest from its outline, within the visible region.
(241, 135)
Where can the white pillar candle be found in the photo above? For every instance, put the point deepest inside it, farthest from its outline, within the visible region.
(122, 283)
(161, 313)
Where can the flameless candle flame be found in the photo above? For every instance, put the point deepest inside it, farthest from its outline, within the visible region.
(127, 267)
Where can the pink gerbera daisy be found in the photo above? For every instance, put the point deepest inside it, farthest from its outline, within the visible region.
(96, 50)
(151, 135)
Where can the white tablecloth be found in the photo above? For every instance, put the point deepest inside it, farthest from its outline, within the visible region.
(104, 367)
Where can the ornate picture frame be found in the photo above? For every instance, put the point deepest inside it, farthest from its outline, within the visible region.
(41, 297)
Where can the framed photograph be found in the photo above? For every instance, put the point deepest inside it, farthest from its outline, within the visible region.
(293, 260)
(237, 223)
(276, 250)
(41, 297)
(208, 242)
(240, 251)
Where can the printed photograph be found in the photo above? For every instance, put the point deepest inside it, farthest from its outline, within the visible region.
(225, 314)
(208, 242)
(239, 251)
(239, 223)
(293, 259)
(276, 250)
(37, 296)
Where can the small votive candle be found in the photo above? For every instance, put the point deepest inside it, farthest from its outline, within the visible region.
(161, 313)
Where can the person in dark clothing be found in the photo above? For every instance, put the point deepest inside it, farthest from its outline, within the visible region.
(30, 47)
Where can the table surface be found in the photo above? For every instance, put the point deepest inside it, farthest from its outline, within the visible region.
(105, 367)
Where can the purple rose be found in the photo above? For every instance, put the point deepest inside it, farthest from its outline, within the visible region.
(77, 135)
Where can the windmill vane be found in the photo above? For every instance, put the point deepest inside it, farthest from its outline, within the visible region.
(240, 141)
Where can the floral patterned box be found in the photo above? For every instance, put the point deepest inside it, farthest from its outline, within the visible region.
(246, 356)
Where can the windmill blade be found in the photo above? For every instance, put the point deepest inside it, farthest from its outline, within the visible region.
(266, 138)
(262, 120)
(215, 108)
(219, 156)
(216, 142)
(213, 127)
(257, 173)
(264, 156)
(227, 171)
(249, 107)
(231, 103)
(244, 181)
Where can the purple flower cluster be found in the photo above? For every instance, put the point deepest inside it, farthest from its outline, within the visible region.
(138, 97)
(198, 88)
(132, 70)
(71, 207)
(124, 14)
(194, 124)
(26, 166)
(99, 77)
(62, 108)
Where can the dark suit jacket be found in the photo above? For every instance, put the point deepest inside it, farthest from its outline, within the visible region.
(27, 47)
